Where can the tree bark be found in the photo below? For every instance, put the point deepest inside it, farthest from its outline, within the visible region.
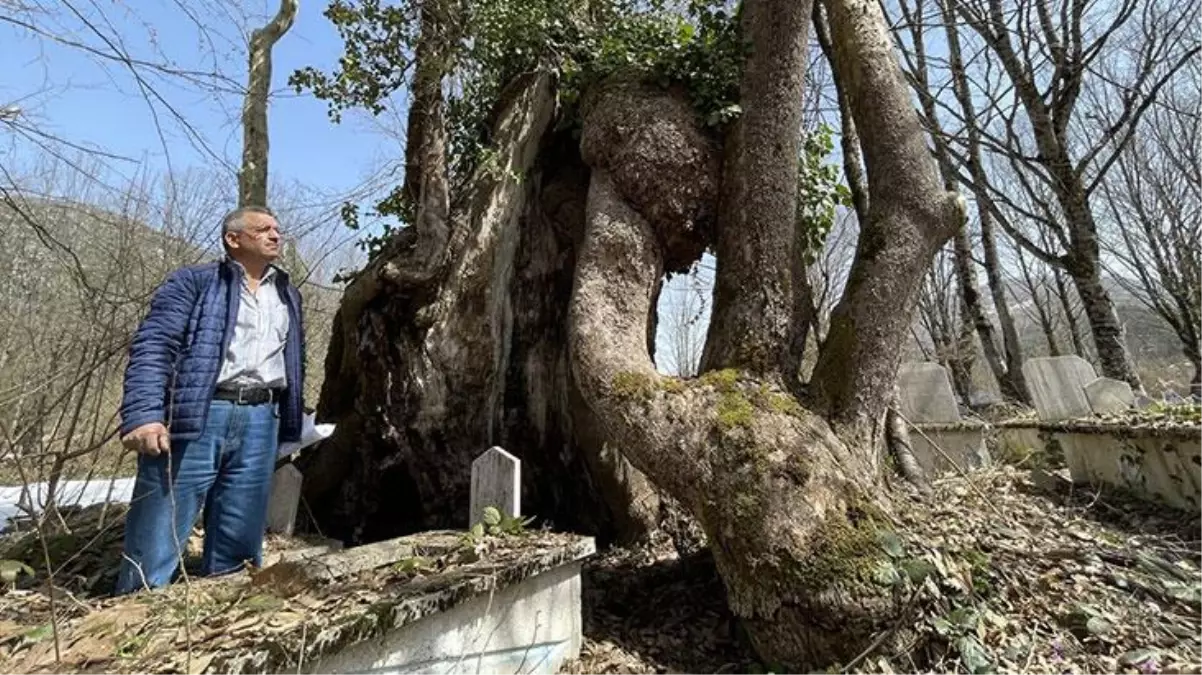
(910, 216)
(772, 486)
(1014, 383)
(252, 178)
(767, 480)
(758, 204)
(486, 349)
(1195, 383)
(432, 364)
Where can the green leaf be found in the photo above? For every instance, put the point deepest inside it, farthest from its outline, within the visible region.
(491, 515)
(965, 617)
(478, 530)
(973, 655)
(890, 543)
(1098, 627)
(886, 574)
(942, 626)
(917, 569)
(40, 633)
(11, 569)
(1137, 656)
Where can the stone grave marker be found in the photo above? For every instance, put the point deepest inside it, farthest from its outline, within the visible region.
(926, 393)
(1107, 396)
(1057, 385)
(496, 481)
(285, 497)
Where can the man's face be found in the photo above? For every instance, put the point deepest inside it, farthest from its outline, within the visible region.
(258, 238)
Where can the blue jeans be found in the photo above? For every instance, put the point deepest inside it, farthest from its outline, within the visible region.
(228, 471)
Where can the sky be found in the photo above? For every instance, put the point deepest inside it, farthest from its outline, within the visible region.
(87, 100)
(80, 99)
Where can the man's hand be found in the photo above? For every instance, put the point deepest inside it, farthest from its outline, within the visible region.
(148, 439)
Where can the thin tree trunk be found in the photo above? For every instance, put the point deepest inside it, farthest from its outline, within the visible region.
(252, 178)
(849, 138)
(973, 312)
(1070, 317)
(1012, 382)
(1016, 382)
(1195, 384)
(1040, 305)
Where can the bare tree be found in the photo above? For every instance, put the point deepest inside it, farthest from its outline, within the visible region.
(252, 177)
(1153, 199)
(973, 316)
(1049, 53)
(947, 335)
(683, 315)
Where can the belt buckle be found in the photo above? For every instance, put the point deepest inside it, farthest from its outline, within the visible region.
(241, 400)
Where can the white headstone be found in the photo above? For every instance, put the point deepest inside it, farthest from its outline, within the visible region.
(926, 393)
(1107, 396)
(1057, 385)
(496, 481)
(284, 499)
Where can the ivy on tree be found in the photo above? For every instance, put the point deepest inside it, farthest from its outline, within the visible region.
(697, 47)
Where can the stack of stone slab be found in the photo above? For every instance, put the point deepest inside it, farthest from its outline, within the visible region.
(929, 404)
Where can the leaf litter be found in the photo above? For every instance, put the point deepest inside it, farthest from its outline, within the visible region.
(1046, 577)
(1019, 572)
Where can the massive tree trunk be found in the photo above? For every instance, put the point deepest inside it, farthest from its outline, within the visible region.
(789, 502)
(252, 178)
(758, 203)
(431, 364)
(488, 348)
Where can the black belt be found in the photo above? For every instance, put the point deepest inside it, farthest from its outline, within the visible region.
(248, 396)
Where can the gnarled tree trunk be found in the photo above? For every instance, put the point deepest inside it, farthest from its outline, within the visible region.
(432, 364)
(489, 347)
(786, 491)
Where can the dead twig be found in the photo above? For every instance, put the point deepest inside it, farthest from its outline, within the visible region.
(955, 465)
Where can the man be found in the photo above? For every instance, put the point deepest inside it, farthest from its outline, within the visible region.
(214, 383)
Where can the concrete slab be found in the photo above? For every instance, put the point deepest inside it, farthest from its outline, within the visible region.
(1107, 396)
(1057, 385)
(926, 393)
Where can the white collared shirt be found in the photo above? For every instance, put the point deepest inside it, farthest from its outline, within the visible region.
(255, 356)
